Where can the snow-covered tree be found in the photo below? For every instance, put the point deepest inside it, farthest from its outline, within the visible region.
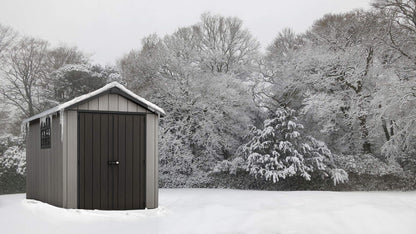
(225, 45)
(204, 123)
(328, 73)
(280, 150)
(74, 80)
(400, 26)
(395, 117)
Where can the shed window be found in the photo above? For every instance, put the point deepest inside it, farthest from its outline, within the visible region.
(45, 133)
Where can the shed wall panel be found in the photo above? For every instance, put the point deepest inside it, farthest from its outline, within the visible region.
(65, 160)
(156, 160)
(83, 106)
(45, 165)
(151, 161)
(139, 132)
(111, 102)
(122, 103)
(133, 107)
(93, 104)
(141, 109)
(71, 159)
(28, 162)
(55, 162)
(31, 153)
(103, 102)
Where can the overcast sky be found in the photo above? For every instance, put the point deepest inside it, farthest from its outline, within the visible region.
(107, 29)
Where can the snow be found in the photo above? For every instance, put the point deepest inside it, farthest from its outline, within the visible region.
(62, 123)
(63, 106)
(225, 211)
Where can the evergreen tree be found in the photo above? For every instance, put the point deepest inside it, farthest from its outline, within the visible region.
(279, 150)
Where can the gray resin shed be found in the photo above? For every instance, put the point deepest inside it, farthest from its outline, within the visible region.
(97, 151)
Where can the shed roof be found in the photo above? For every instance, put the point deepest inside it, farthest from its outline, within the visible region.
(113, 87)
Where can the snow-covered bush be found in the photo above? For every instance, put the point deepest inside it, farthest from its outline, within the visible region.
(367, 164)
(12, 154)
(14, 158)
(12, 164)
(232, 167)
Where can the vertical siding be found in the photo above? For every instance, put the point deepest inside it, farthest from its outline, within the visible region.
(103, 102)
(30, 162)
(112, 102)
(133, 107)
(84, 106)
(65, 160)
(72, 158)
(122, 104)
(93, 104)
(70, 155)
(45, 165)
(151, 161)
(156, 160)
(55, 162)
(140, 109)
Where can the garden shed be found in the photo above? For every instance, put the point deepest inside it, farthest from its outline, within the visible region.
(97, 151)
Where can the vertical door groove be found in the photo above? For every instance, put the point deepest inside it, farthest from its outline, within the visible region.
(82, 161)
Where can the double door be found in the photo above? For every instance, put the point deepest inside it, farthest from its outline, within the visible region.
(111, 160)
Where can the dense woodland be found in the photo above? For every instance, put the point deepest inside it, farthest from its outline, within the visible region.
(332, 108)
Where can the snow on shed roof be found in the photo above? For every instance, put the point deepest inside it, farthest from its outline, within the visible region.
(148, 105)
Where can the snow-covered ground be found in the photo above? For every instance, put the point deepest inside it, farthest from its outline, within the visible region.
(224, 211)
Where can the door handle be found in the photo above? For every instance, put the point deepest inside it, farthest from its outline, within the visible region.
(113, 163)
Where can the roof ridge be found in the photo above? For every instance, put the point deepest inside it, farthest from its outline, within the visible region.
(150, 106)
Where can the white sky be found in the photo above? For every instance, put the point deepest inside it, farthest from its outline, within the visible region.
(107, 29)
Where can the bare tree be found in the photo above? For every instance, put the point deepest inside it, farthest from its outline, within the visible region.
(285, 42)
(226, 45)
(402, 26)
(25, 67)
(63, 55)
(7, 37)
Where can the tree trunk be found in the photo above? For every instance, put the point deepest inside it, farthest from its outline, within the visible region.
(363, 118)
(366, 146)
(391, 128)
(385, 129)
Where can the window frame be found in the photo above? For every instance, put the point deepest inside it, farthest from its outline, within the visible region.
(45, 133)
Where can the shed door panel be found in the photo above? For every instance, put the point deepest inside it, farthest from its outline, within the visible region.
(105, 139)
